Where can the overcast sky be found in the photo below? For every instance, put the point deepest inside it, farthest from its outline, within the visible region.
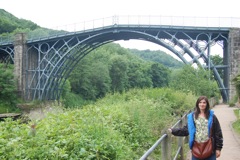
(53, 13)
(48, 13)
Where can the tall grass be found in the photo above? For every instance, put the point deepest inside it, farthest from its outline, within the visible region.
(119, 126)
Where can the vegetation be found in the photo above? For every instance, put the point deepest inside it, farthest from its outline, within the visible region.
(159, 57)
(197, 81)
(9, 23)
(117, 101)
(119, 126)
(236, 124)
(8, 97)
(111, 69)
(217, 60)
(236, 82)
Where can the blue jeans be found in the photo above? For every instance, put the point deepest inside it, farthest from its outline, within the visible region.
(212, 157)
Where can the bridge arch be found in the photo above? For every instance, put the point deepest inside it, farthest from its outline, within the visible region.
(56, 58)
(7, 55)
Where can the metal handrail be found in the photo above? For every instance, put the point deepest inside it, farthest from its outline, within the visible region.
(163, 137)
(153, 147)
(178, 152)
(220, 22)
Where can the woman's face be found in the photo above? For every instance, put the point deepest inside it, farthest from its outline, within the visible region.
(202, 105)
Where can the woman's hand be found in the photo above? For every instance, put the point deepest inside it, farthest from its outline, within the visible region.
(170, 130)
(218, 153)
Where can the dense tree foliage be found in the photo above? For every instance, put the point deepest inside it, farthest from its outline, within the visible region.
(195, 80)
(118, 74)
(160, 75)
(159, 57)
(9, 23)
(7, 88)
(112, 68)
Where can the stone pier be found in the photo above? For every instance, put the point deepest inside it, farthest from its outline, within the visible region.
(19, 63)
(234, 60)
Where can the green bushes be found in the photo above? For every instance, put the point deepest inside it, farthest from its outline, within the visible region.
(71, 135)
(8, 97)
(119, 126)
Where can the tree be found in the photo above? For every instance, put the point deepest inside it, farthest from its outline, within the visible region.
(90, 80)
(139, 75)
(195, 80)
(118, 73)
(160, 75)
(9, 23)
(158, 57)
(8, 88)
(217, 60)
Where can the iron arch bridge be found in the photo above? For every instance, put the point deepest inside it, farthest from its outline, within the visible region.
(49, 60)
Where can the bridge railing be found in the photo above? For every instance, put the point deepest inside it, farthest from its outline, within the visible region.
(151, 20)
(166, 140)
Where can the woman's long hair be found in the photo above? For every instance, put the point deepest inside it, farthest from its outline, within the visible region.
(197, 109)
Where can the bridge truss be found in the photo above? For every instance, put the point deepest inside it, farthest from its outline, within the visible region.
(56, 56)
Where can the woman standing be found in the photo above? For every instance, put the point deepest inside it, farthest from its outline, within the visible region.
(202, 124)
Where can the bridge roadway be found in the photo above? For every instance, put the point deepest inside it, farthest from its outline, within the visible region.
(231, 140)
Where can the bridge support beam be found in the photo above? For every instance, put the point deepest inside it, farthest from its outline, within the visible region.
(19, 63)
(234, 52)
(226, 70)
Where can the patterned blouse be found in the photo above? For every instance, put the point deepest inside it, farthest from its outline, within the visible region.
(201, 134)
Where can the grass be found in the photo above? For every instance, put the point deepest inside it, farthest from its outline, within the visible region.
(236, 124)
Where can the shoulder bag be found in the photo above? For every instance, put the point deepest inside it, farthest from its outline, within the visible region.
(204, 149)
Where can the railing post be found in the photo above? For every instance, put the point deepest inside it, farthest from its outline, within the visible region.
(166, 147)
(180, 142)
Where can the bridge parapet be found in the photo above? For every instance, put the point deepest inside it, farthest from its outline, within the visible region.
(151, 20)
(139, 20)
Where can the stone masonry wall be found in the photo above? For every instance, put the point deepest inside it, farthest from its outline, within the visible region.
(234, 53)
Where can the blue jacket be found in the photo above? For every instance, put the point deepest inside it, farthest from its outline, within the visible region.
(189, 130)
(192, 128)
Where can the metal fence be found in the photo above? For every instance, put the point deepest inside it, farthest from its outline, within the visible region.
(166, 143)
